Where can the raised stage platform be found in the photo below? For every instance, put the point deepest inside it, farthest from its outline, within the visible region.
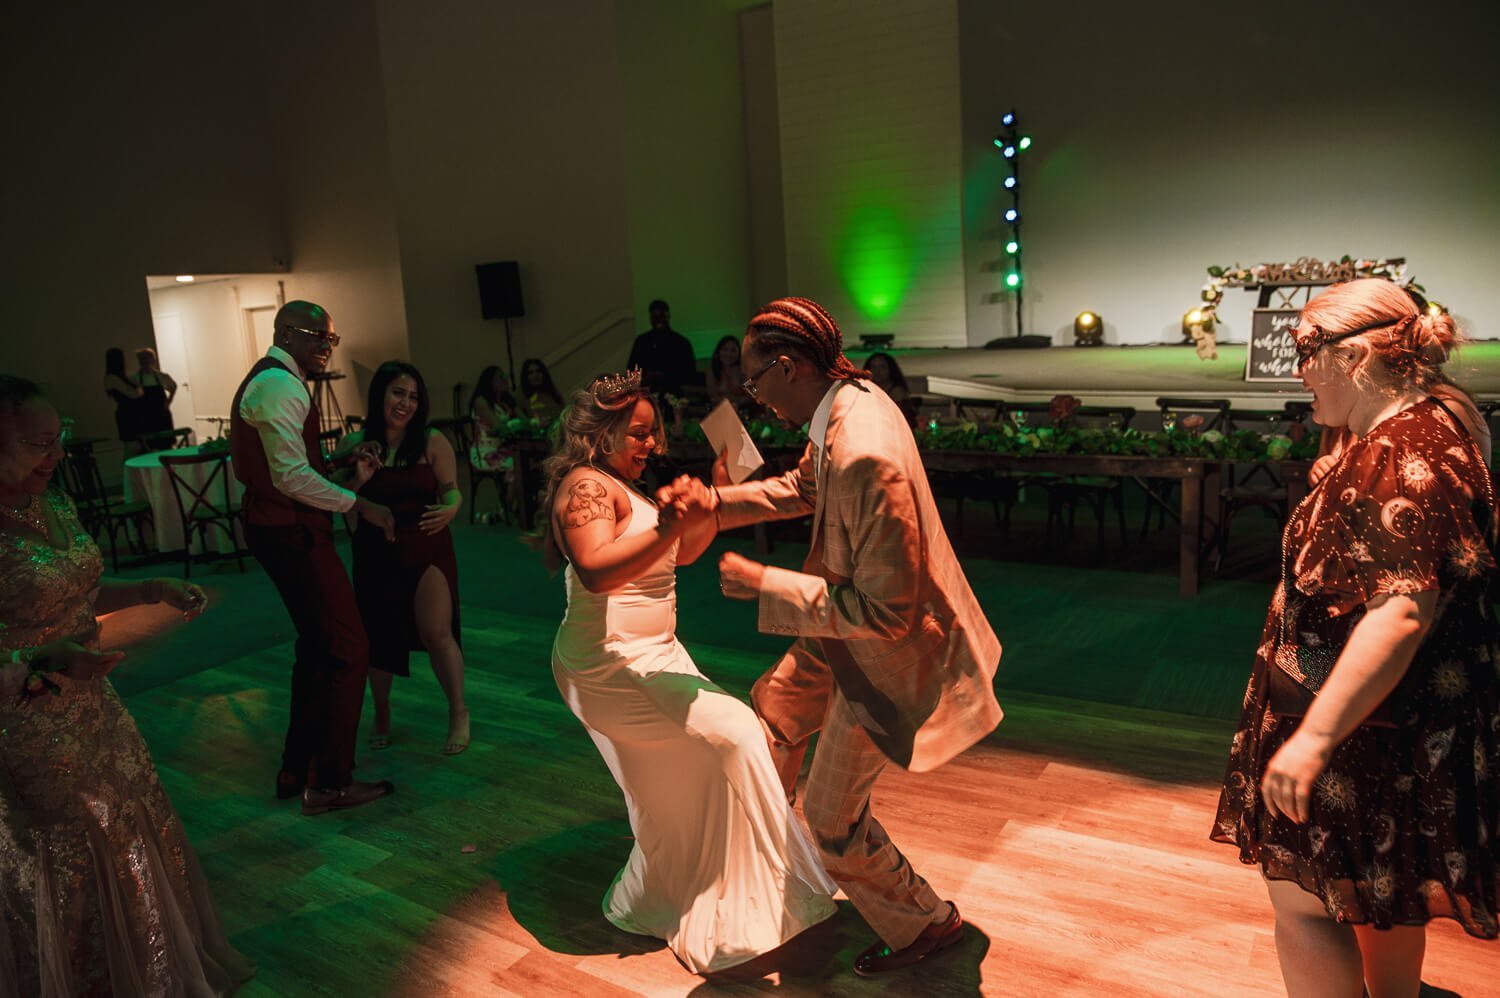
(1133, 376)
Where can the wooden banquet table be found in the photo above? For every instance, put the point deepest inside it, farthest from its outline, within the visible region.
(147, 480)
(1197, 477)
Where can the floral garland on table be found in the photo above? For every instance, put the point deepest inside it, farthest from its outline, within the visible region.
(1186, 439)
(1304, 269)
(1246, 446)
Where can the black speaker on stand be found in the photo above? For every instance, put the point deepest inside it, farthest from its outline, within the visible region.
(500, 298)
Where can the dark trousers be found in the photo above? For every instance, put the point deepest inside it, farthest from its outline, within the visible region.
(333, 654)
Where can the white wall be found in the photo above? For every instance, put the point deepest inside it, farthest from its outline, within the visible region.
(214, 333)
(1172, 136)
(684, 147)
(506, 143)
(871, 167)
(333, 164)
(136, 144)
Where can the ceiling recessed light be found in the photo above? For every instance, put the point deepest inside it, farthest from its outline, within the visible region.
(184, 278)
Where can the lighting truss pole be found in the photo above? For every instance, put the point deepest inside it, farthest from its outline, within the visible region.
(1012, 144)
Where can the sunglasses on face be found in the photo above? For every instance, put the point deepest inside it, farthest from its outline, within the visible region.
(329, 335)
(750, 385)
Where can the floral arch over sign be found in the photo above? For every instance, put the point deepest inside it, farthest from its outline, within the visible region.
(1305, 271)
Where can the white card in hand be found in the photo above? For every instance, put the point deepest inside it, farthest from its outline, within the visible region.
(723, 429)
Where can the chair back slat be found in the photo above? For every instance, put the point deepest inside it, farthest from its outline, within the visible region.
(190, 497)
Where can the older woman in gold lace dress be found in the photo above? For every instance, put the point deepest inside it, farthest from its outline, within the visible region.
(101, 892)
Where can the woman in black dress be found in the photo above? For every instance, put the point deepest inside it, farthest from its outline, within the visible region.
(1364, 779)
(157, 391)
(408, 589)
(126, 395)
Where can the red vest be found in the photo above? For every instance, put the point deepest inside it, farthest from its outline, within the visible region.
(265, 505)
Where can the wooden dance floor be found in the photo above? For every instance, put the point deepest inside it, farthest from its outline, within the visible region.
(1074, 841)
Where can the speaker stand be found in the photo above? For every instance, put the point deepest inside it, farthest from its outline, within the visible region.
(510, 358)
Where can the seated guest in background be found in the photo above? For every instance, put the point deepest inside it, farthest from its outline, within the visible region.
(101, 891)
(125, 394)
(543, 401)
(407, 588)
(157, 391)
(886, 374)
(1362, 777)
(491, 405)
(725, 377)
(664, 356)
(288, 506)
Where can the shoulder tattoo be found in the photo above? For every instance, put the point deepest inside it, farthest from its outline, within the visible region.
(588, 500)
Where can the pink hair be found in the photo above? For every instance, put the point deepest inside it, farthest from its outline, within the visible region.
(1411, 342)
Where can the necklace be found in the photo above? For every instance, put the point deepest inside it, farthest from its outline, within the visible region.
(33, 514)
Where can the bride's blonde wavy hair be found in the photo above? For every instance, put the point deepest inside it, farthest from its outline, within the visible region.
(592, 426)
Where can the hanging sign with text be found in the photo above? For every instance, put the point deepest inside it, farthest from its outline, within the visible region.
(1272, 354)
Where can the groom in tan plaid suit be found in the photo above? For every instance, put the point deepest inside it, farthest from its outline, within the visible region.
(894, 658)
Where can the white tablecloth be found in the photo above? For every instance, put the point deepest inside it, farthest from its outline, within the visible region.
(147, 480)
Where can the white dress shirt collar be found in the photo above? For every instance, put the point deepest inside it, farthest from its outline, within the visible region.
(276, 353)
(817, 430)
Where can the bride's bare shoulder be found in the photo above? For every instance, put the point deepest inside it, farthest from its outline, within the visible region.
(586, 494)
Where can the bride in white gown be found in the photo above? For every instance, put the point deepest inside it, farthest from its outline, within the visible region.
(722, 868)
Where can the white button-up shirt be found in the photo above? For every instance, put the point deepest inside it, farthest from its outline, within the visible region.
(276, 403)
(817, 430)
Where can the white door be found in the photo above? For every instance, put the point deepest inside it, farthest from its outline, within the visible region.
(262, 323)
(172, 352)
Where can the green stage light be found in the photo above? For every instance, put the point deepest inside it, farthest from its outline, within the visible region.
(1025, 142)
(1013, 280)
(1012, 247)
(999, 142)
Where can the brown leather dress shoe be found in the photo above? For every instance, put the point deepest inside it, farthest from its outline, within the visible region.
(880, 958)
(355, 794)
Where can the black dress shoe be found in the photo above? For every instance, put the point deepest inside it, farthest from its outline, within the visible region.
(320, 801)
(880, 958)
(289, 786)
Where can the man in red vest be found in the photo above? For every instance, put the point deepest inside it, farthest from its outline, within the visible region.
(289, 502)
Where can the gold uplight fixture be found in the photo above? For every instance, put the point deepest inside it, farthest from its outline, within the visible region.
(1088, 330)
(184, 278)
(1202, 318)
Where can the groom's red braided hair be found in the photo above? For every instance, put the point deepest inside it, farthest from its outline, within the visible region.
(804, 327)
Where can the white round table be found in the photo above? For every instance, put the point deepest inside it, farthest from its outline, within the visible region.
(147, 480)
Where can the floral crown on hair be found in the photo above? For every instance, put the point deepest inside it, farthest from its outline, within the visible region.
(615, 391)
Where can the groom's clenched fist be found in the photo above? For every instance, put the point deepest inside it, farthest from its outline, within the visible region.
(740, 578)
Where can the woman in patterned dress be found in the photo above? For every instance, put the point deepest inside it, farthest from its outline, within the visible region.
(1364, 779)
(100, 890)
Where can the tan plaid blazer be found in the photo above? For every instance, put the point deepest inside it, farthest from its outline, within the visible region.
(881, 590)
